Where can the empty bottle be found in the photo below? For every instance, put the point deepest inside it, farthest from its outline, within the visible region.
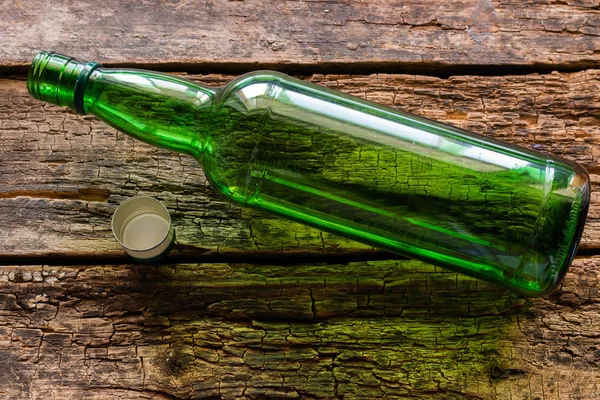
(386, 178)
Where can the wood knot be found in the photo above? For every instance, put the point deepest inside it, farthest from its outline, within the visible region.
(174, 364)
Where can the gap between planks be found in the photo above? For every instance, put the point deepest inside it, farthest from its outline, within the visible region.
(437, 70)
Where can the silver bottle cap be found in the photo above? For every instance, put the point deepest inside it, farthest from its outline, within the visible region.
(142, 225)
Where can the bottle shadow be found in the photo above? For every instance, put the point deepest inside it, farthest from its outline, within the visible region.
(366, 289)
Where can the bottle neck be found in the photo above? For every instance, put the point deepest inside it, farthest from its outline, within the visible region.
(157, 108)
(59, 80)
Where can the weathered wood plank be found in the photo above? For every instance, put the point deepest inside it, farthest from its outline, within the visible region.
(356, 331)
(61, 175)
(367, 35)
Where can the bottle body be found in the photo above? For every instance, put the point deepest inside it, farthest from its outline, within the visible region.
(392, 180)
(399, 182)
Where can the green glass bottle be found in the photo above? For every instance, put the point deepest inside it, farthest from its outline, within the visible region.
(389, 179)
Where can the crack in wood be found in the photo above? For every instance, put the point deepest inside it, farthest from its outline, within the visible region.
(87, 194)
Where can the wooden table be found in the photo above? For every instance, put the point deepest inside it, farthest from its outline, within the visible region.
(248, 306)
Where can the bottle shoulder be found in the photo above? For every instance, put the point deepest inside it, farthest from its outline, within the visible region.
(250, 88)
(259, 76)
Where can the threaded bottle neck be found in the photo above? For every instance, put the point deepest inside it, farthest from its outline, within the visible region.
(59, 79)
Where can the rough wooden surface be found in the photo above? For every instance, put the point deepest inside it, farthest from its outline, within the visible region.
(56, 166)
(287, 311)
(357, 331)
(353, 35)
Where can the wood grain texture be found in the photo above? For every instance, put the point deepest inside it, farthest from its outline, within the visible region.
(352, 35)
(287, 328)
(363, 330)
(61, 175)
